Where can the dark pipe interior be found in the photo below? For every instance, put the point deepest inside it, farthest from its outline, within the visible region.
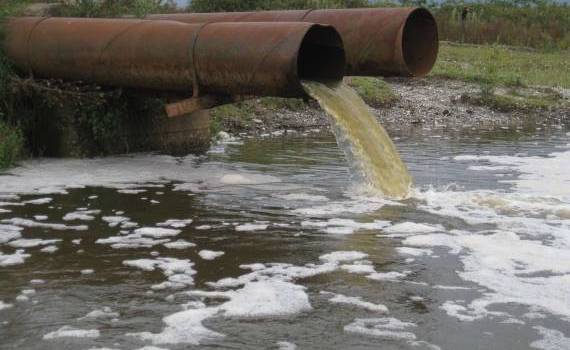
(321, 56)
(420, 42)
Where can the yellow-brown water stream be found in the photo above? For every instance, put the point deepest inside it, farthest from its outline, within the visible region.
(371, 154)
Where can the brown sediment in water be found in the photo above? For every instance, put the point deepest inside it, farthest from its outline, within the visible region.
(371, 154)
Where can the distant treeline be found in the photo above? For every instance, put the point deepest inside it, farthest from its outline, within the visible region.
(540, 24)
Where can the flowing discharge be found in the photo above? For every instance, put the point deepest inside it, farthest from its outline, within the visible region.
(371, 154)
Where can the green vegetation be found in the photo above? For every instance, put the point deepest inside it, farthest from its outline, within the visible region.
(540, 24)
(509, 79)
(11, 144)
(506, 100)
(374, 91)
(256, 5)
(11, 140)
(112, 8)
(238, 115)
(503, 66)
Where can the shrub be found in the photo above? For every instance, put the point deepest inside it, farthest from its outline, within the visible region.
(11, 144)
(112, 8)
(253, 5)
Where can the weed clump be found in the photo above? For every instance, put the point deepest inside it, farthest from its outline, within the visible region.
(11, 144)
(374, 91)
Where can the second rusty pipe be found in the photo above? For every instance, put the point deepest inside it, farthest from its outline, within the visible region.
(378, 41)
(264, 59)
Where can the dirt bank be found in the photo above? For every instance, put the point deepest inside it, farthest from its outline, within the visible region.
(429, 103)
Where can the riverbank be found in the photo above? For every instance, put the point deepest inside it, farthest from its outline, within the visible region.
(428, 102)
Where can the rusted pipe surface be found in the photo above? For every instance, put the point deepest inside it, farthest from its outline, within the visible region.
(377, 41)
(263, 59)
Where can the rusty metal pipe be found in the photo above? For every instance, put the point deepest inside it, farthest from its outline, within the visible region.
(263, 59)
(377, 41)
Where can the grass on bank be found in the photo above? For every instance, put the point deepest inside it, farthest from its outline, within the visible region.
(509, 79)
(374, 91)
(503, 66)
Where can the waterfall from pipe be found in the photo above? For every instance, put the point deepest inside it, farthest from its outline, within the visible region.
(373, 159)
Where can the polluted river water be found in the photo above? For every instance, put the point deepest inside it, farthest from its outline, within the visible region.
(268, 243)
(373, 159)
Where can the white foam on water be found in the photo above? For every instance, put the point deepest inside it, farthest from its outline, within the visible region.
(40, 217)
(16, 258)
(343, 256)
(414, 251)
(203, 227)
(285, 345)
(31, 223)
(175, 223)
(9, 232)
(411, 228)
(128, 172)
(131, 241)
(534, 179)
(302, 197)
(247, 179)
(210, 254)
(183, 327)
(179, 244)
(87, 271)
(179, 272)
(49, 249)
(32, 242)
(132, 191)
(251, 227)
(552, 340)
(355, 204)
(157, 232)
(266, 291)
(4, 305)
(83, 215)
(388, 276)
(25, 295)
(267, 298)
(362, 267)
(387, 327)
(39, 201)
(114, 221)
(524, 258)
(258, 299)
(356, 301)
(104, 313)
(344, 226)
(70, 332)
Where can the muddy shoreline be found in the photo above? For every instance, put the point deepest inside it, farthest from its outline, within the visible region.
(428, 103)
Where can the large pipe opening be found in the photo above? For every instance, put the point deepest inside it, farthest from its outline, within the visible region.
(321, 55)
(420, 42)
